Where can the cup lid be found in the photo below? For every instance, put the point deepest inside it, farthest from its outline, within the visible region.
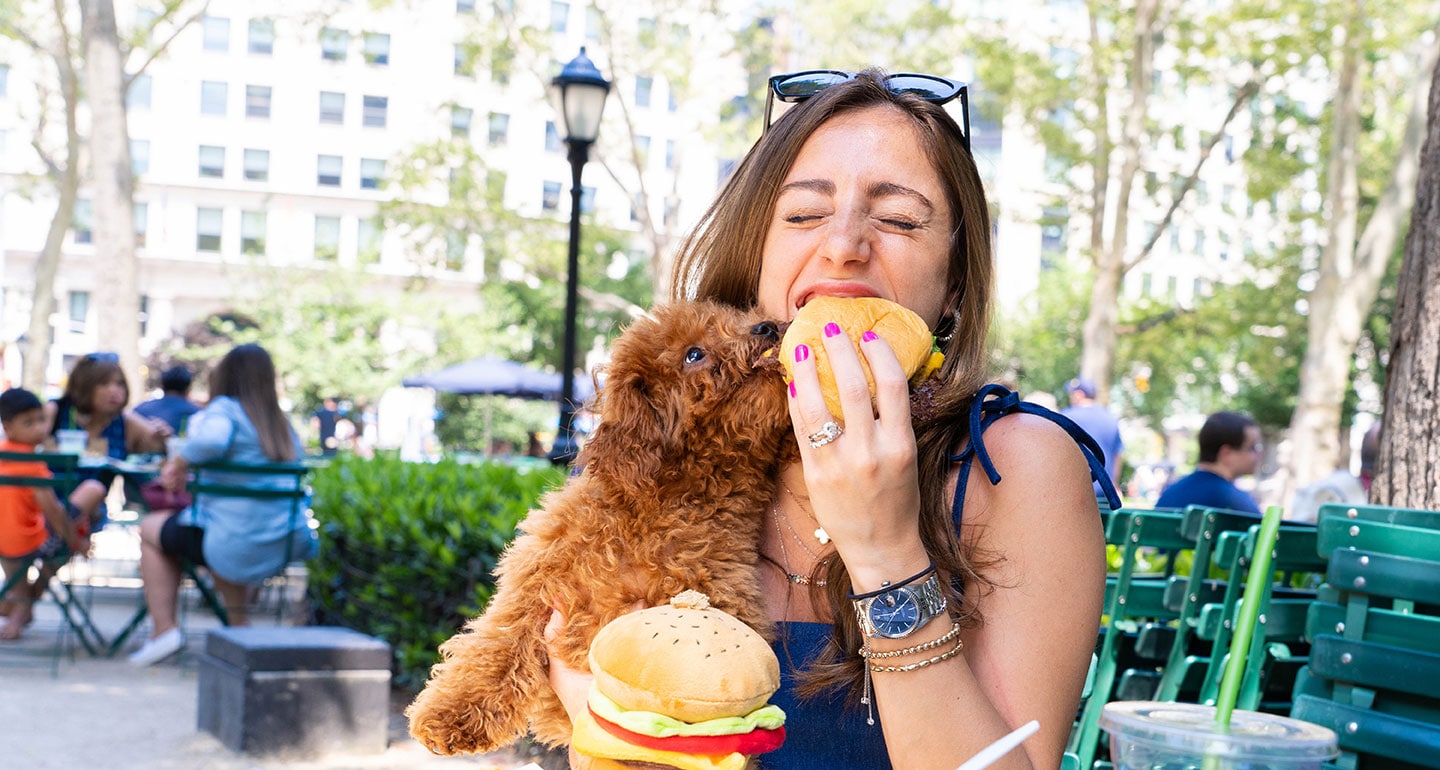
(1191, 727)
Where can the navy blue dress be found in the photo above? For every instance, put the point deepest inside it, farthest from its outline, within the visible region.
(826, 733)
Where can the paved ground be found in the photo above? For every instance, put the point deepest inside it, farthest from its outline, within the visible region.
(95, 713)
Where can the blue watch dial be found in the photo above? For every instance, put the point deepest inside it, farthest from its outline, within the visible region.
(895, 614)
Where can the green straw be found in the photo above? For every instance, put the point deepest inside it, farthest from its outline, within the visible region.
(1246, 615)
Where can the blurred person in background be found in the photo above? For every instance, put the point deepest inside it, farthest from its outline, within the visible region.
(1095, 419)
(174, 406)
(1230, 447)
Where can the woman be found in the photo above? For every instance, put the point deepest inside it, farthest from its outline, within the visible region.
(94, 401)
(242, 541)
(867, 188)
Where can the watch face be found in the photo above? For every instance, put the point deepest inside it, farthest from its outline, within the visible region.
(894, 614)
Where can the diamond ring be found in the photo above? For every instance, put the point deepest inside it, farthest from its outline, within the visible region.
(827, 433)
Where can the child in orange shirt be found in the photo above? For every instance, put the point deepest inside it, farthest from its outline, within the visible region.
(33, 521)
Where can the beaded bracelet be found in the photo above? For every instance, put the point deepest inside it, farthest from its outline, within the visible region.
(930, 645)
(888, 586)
(948, 654)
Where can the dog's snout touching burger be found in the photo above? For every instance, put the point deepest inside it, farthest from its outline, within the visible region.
(680, 686)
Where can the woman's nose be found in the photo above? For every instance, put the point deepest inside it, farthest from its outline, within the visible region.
(846, 239)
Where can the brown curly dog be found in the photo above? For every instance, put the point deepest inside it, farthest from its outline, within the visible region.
(693, 421)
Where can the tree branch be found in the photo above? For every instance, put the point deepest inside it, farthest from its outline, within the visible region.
(159, 50)
(1243, 95)
(1146, 324)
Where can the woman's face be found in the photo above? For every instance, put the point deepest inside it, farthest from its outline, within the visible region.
(862, 213)
(109, 397)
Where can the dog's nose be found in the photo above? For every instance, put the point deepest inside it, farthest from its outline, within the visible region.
(768, 330)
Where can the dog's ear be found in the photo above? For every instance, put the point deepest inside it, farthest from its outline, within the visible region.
(636, 432)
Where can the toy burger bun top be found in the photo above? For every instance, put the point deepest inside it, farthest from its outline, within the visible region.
(680, 686)
(906, 333)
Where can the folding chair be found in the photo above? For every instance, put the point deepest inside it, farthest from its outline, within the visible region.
(76, 616)
(1374, 671)
(283, 481)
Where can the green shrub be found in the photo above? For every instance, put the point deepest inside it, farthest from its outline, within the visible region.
(407, 550)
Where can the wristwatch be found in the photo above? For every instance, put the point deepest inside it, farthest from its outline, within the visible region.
(897, 613)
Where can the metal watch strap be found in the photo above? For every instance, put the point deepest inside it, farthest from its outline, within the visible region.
(927, 595)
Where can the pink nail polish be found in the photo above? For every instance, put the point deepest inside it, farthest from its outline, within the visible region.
(832, 329)
(792, 390)
(802, 352)
(868, 336)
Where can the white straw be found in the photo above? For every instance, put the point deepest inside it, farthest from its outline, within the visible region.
(1000, 748)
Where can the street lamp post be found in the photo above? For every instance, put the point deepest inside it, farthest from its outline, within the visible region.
(581, 92)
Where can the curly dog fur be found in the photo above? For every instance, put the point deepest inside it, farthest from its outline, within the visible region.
(676, 480)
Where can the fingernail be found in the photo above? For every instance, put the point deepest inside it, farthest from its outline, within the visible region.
(792, 390)
(802, 352)
(832, 329)
(868, 336)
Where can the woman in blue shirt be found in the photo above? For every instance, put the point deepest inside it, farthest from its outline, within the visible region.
(866, 188)
(241, 540)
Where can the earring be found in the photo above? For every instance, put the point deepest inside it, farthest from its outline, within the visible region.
(945, 330)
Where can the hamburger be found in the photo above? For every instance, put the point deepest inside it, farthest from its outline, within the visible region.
(682, 686)
(906, 333)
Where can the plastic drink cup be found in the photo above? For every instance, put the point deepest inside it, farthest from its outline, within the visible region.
(174, 445)
(1146, 735)
(71, 442)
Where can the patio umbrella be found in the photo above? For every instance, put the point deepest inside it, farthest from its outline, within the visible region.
(492, 376)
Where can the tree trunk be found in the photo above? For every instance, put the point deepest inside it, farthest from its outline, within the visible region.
(39, 335)
(1409, 463)
(1350, 274)
(117, 295)
(1098, 358)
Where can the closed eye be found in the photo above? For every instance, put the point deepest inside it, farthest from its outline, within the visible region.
(901, 224)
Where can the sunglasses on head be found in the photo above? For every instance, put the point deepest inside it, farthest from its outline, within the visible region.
(798, 86)
(103, 358)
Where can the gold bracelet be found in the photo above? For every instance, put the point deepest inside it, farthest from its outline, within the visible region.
(948, 654)
(930, 645)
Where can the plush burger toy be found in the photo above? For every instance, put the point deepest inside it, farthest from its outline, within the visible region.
(682, 686)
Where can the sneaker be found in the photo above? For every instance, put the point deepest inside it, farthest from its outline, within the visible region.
(157, 649)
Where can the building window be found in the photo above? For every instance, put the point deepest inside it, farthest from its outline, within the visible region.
(252, 232)
(257, 102)
(670, 158)
(327, 172)
(262, 36)
(592, 23)
(495, 186)
(332, 107)
(215, 31)
(643, 86)
(552, 137)
(499, 128)
(550, 201)
(367, 242)
(723, 170)
(373, 114)
(144, 314)
(139, 156)
(327, 238)
(333, 43)
(4, 80)
(209, 223)
(501, 62)
(212, 162)
(642, 149)
(257, 165)
(464, 61)
(141, 215)
(559, 16)
(213, 96)
(82, 222)
(377, 48)
(672, 102)
(138, 95)
(460, 121)
(587, 199)
(464, 6)
(79, 309)
(372, 171)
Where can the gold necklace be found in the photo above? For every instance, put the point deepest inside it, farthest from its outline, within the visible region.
(820, 533)
(799, 580)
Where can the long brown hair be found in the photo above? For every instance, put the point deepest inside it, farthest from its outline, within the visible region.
(247, 374)
(721, 261)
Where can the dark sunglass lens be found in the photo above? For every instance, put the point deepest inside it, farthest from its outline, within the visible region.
(807, 84)
(924, 86)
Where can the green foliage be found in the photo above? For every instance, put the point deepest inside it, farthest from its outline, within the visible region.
(407, 550)
(1040, 351)
(472, 423)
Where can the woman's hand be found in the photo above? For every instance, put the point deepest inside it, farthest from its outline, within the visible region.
(863, 486)
(146, 434)
(572, 686)
(174, 474)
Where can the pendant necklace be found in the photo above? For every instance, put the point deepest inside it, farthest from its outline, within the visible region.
(820, 533)
(799, 580)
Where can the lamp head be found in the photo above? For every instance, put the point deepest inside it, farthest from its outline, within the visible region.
(581, 90)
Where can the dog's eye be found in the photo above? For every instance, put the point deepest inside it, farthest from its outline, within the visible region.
(694, 355)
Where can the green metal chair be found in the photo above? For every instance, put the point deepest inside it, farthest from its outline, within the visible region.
(64, 470)
(1374, 671)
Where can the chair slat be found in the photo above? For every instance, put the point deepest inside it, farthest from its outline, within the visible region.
(1372, 733)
